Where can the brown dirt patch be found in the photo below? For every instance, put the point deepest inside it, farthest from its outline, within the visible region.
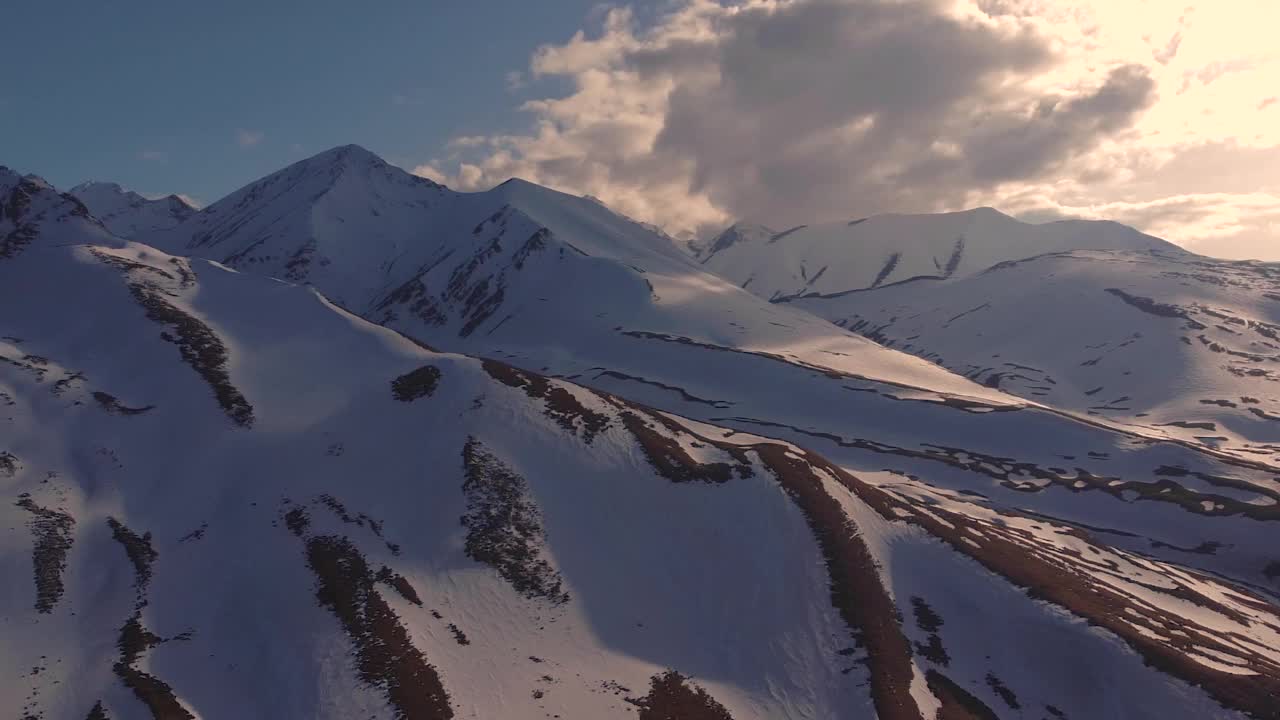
(201, 348)
(672, 697)
(999, 688)
(53, 532)
(416, 384)
(504, 526)
(957, 703)
(385, 656)
(8, 464)
(400, 584)
(152, 692)
(1070, 588)
(135, 639)
(561, 405)
(139, 550)
(112, 405)
(857, 591)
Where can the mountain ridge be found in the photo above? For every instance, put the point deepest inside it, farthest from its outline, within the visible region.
(236, 493)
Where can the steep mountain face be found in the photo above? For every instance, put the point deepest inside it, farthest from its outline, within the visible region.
(833, 259)
(32, 209)
(233, 498)
(129, 215)
(548, 280)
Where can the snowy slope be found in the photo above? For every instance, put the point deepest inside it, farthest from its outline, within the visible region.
(942, 546)
(561, 285)
(230, 498)
(129, 215)
(1177, 344)
(872, 252)
(554, 280)
(31, 208)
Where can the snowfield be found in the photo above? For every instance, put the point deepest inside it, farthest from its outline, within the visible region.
(349, 444)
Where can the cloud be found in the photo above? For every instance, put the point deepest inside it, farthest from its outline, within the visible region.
(1169, 51)
(153, 155)
(799, 111)
(249, 138)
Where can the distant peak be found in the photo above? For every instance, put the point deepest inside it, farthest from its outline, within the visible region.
(516, 182)
(347, 153)
(740, 231)
(98, 185)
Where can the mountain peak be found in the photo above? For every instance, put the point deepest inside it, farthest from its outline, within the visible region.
(347, 155)
(98, 185)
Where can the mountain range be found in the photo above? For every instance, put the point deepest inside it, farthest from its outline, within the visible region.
(350, 443)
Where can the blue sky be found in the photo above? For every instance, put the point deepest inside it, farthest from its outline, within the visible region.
(689, 114)
(200, 98)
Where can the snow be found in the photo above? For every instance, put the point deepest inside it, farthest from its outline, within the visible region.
(128, 214)
(837, 258)
(309, 280)
(1054, 330)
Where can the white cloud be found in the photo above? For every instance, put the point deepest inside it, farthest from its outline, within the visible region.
(249, 138)
(791, 111)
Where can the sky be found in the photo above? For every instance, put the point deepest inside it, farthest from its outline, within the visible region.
(686, 113)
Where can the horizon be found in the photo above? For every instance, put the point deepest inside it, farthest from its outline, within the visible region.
(691, 114)
(705, 238)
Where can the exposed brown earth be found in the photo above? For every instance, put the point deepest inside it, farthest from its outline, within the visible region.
(8, 464)
(199, 345)
(930, 622)
(156, 695)
(999, 688)
(504, 526)
(416, 384)
(139, 550)
(135, 639)
(1004, 553)
(957, 703)
(857, 590)
(53, 532)
(672, 697)
(458, 636)
(201, 348)
(400, 584)
(112, 405)
(561, 405)
(385, 656)
(672, 461)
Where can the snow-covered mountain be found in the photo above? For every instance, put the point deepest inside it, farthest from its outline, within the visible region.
(129, 215)
(31, 208)
(233, 498)
(550, 280)
(874, 252)
(1173, 343)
